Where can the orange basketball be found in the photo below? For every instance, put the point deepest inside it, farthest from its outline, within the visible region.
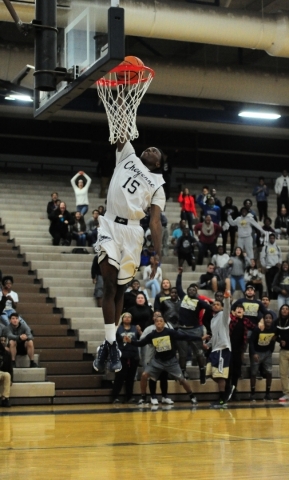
(130, 74)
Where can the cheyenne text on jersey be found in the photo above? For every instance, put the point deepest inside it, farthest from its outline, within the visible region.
(138, 172)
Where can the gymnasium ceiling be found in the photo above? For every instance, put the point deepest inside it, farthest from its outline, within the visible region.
(198, 86)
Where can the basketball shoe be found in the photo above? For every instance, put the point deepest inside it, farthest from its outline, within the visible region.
(115, 354)
(102, 354)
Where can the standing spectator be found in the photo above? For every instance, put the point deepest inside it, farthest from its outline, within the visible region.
(188, 209)
(141, 313)
(248, 204)
(152, 276)
(244, 224)
(170, 308)
(282, 223)
(104, 170)
(271, 260)
(261, 193)
(282, 325)
(266, 302)
(254, 309)
(282, 191)
(262, 343)
(229, 209)
(131, 294)
(280, 284)
(213, 210)
(20, 339)
(129, 359)
(203, 197)
(177, 233)
(167, 172)
(61, 219)
(79, 230)
(53, 204)
(6, 371)
(164, 294)
(97, 281)
(185, 249)
(208, 232)
(254, 276)
(214, 196)
(239, 261)
(267, 228)
(91, 229)
(80, 184)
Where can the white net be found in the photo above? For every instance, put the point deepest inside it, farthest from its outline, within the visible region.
(121, 99)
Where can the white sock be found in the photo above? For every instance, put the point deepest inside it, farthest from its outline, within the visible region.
(110, 332)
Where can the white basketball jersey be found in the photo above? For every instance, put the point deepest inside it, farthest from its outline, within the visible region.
(133, 186)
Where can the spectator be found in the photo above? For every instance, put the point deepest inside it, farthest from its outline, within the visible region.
(211, 280)
(266, 302)
(129, 359)
(213, 210)
(254, 276)
(282, 191)
(229, 209)
(280, 284)
(219, 358)
(20, 340)
(61, 219)
(244, 224)
(282, 223)
(248, 204)
(101, 210)
(261, 193)
(282, 325)
(165, 234)
(238, 262)
(145, 221)
(8, 299)
(254, 309)
(104, 170)
(188, 209)
(271, 259)
(131, 294)
(164, 294)
(208, 232)
(152, 276)
(170, 308)
(6, 370)
(185, 249)
(267, 228)
(97, 281)
(53, 204)
(167, 172)
(203, 197)
(214, 196)
(141, 313)
(79, 230)
(148, 357)
(220, 261)
(91, 229)
(80, 184)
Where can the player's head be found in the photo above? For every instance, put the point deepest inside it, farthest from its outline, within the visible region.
(192, 290)
(239, 311)
(268, 320)
(153, 159)
(250, 291)
(159, 324)
(126, 318)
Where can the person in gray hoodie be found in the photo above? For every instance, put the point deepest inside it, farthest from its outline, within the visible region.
(244, 223)
(20, 339)
(271, 259)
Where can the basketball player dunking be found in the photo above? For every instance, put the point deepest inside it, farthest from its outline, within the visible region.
(136, 185)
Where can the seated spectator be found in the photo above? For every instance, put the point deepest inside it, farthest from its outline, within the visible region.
(220, 261)
(131, 294)
(152, 276)
(141, 313)
(164, 294)
(244, 223)
(61, 220)
(178, 232)
(280, 285)
(238, 263)
(254, 276)
(6, 370)
(146, 254)
(262, 343)
(92, 228)
(53, 204)
(211, 280)
(188, 209)
(213, 210)
(271, 259)
(185, 249)
(261, 193)
(208, 232)
(282, 223)
(97, 280)
(170, 308)
(266, 302)
(229, 209)
(129, 359)
(8, 300)
(80, 184)
(20, 340)
(202, 198)
(213, 193)
(79, 230)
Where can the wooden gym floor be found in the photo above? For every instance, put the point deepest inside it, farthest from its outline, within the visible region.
(245, 441)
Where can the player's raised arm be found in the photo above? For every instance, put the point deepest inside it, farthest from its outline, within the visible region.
(156, 229)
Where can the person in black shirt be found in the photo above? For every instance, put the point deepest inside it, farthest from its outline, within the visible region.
(254, 309)
(229, 209)
(185, 249)
(141, 313)
(282, 324)
(130, 297)
(164, 341)
(170, 308)
(262, 343)
(211, 280)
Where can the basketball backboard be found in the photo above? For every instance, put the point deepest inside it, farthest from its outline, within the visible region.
(89, 45)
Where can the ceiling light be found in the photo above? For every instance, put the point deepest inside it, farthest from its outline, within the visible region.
(261, 115)
(21, 98)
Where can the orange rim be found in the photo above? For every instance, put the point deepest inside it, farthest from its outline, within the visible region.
(113, 82)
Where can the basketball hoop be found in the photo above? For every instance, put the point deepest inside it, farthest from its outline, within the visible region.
(121, 91)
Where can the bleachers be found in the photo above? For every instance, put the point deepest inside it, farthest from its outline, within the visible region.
(68, 326)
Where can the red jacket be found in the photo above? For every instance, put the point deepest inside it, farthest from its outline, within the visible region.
(187, 203)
